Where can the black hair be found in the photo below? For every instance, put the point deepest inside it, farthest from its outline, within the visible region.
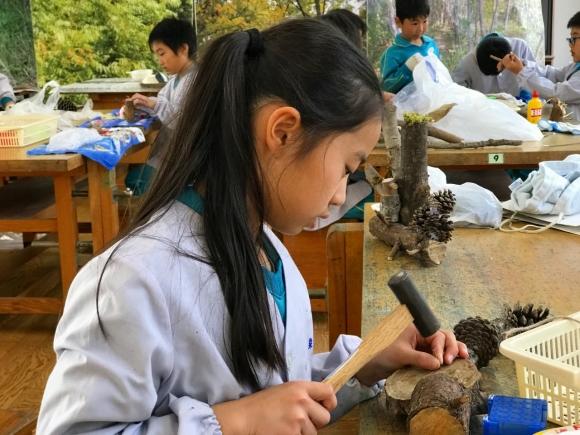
(412, 9)
(174, 33)
(492, 45)
(349, 23)
(574, 21)
(304, 63)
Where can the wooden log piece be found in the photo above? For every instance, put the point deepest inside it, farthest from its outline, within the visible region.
(438, 403)
(441, 112)
(413, 181)
(129, 111)
(390, 201)
(392, 138)
(480, 144)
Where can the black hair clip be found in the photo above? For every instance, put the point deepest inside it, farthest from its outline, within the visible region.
(255, 44)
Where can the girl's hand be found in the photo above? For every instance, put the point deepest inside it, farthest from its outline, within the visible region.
(512, 63)
(142, 101)
(287, 409)
(411, 348)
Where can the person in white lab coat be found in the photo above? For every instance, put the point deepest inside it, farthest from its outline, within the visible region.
(197, 321)
(562, 83)
(7, 97)
(175, 44)
(478, 71)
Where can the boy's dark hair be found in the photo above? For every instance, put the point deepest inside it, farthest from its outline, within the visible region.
(349, 23)
(495, 45)
(574, 21)
(306, 64)
(174, 33)
(409, 9)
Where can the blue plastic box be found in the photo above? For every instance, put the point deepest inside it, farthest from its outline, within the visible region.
(515, 416)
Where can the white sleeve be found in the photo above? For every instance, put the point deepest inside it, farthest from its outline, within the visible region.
(550, 82)
(6, 91)
(109, 386)
(323, 364)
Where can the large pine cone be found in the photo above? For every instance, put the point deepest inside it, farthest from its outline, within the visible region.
(68, 105)
(518, 317)
(445, 199)
(481, 338)
(429, 220)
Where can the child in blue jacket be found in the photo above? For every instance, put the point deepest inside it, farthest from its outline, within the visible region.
(410, 45)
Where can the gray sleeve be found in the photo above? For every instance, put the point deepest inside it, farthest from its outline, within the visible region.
(323, 364)
(109, 386)
(550, 82)
(461, 75)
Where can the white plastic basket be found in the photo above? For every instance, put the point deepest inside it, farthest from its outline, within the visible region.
(548, 367)
(23, 130)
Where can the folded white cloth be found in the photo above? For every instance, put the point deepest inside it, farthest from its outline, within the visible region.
(553, 189)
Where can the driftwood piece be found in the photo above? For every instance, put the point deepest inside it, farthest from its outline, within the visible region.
(400, 385)
(439, 405)
(480, 144)
(392, 138)
(437, 133)
(413, 181)
(402, 237)
(439, 114)
(129, 111)
(558, 113)
(390, 201)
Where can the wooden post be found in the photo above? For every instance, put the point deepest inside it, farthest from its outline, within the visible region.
(413, 181)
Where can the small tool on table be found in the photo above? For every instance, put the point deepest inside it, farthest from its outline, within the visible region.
(499, 59)
(413, 308)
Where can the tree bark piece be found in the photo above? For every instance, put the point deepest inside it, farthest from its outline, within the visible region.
(438, 403)
(480, 144)
(392, 139)
(413, 181)
(129, 111)
(390, 201)
(438, 114)
(400, 385)
(437, 133)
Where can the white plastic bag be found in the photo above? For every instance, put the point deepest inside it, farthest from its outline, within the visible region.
(474, 118)
(475, 206)
(70, 120)
(70, 140)
(36, 105)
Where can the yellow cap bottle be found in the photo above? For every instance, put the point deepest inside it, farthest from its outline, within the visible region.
(534, 109)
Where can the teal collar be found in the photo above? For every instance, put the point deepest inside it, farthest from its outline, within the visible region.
(399, 40)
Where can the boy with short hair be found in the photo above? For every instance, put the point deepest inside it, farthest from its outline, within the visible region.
(562, 83)
(399, 60)
(478, 71)
(349, 23)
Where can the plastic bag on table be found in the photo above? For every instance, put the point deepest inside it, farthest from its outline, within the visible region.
(474, 118)
(70, 140)
(36, 105)
(437, 179)
(70, 120)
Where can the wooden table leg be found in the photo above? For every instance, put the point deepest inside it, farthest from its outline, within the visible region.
(104, 211)
(68, 236)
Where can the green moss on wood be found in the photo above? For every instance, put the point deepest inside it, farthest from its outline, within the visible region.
(412, 118)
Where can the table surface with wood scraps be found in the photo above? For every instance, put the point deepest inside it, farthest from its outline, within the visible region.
(482, 270)
(554, 146)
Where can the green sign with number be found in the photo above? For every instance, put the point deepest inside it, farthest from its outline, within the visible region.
(495, 159)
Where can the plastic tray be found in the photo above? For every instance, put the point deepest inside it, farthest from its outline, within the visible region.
(548, 367)
(23, 130)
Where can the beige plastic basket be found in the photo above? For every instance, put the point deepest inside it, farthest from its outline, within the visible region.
(23, 130)
(548, 367)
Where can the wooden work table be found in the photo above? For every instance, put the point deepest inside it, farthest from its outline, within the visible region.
(482, 270)
(528, 155)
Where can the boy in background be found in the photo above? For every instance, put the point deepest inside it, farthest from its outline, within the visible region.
(562, 83)
(7, 97)
(399, 60)
(349, 23)
(478, 71)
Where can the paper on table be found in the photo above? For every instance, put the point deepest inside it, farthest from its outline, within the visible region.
(570, 224)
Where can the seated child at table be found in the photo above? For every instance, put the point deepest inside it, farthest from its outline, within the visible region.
(562, 83)
(7, 97)
(174, 43)
(399, 60)
(478, 71)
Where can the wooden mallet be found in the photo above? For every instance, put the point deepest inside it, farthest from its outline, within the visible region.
(413, 308)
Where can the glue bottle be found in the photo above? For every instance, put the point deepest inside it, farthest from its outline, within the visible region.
(534, 108)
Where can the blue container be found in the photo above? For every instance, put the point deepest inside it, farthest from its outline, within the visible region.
(515, 416)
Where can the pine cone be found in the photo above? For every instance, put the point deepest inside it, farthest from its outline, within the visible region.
(429, 220)
(65, 104)
(481, 338)
(518, 317)
(445, 199)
